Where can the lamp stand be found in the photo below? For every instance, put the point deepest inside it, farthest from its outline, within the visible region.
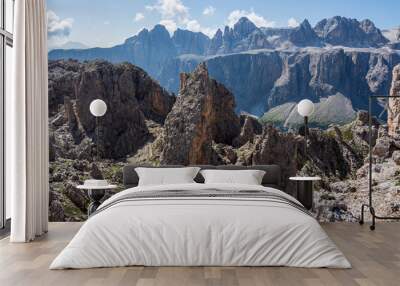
(305, 134)
(97, 139)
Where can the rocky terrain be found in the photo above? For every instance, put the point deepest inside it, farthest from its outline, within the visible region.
(135, 103)
(266, 68)
(146, 124)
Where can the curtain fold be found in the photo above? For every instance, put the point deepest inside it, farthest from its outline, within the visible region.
(27, 120)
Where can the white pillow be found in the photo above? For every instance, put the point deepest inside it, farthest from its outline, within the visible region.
(166, 176)
(247, 177)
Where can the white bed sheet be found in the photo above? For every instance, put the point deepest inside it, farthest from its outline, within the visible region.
(200, 232)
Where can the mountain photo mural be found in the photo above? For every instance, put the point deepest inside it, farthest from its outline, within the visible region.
(182, 94)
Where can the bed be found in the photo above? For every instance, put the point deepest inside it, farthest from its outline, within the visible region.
(199, 224)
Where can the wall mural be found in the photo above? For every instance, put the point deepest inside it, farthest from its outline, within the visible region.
(231, 98)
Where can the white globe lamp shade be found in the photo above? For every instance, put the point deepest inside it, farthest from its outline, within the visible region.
(305, 107)
(98, 107)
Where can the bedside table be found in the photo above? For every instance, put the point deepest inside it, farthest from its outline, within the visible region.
(95, 195)
(304, 190)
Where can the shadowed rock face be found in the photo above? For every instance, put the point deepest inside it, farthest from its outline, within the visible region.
(130, 94)
(350, 32)
(304, 35)
(202, 114)
(394, 104)
(274, 147)
(329, 155)
(250, 127)
(187, 42)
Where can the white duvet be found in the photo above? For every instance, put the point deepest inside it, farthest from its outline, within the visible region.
(203, 232)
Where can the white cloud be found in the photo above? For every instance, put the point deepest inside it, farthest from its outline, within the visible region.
(194, 26)
(210, 32)
(258, 20)
(175, 14)
(107, 23)
(139, 17)
(57, 27)
(292, 23)
(170, 9)
(170, 25)
(209, 11)
(58, 30)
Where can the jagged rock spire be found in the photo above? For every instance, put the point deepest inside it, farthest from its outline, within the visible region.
(203, 113)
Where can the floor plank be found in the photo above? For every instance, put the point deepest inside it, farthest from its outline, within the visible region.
(375, 257)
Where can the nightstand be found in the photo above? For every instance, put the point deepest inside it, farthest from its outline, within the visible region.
(304, 190)
(95, 193)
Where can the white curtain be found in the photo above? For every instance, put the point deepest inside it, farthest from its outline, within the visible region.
(27, 124)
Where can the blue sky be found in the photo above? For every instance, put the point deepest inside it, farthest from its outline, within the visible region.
(106, 22)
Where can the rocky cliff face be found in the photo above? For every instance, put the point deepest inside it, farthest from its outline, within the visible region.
(149, 50)
(243, 36)
(136, 104)
(305, 62)
(187, 42)
(267, 79)
(131, 97)
(350, 32)
(203, 114)
(354, 73)
(394, 104)
(304, 35)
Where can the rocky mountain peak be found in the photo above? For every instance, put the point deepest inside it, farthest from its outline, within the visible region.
(160, 30)
(305, 24)
(304, 35)
(160, 34)
(227, 30)
(131, 95)
(201, 71)
(373, 32)
(244, 27)
(349, 32)
(367, 25)
(218, 34)
(215, 43)
(187, 42)
(142, 34)
(336, 30)
(202, 114)
(132, 40)
(394, 104)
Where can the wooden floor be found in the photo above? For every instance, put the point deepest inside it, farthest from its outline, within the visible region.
(375, 257)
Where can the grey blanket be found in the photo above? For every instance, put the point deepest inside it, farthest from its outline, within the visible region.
(206, 194)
